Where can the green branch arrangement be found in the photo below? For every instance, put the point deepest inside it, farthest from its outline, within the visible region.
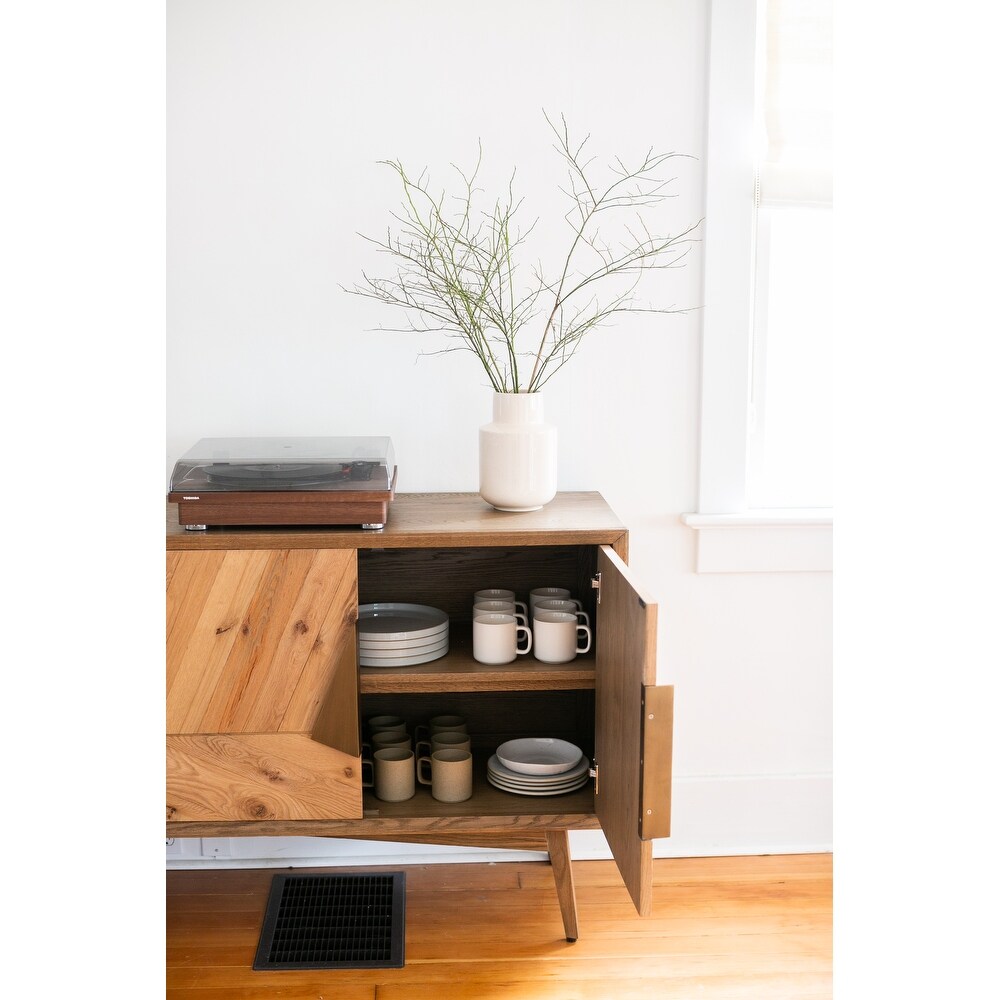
(456, 266)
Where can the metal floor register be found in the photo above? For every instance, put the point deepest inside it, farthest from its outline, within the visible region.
(334, 922)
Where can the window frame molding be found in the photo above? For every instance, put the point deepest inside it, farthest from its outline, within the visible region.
(733, 537)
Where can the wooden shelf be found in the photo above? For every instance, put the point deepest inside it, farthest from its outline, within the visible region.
(487, 801)
(427, 520)
(458, 671)
(489, 810)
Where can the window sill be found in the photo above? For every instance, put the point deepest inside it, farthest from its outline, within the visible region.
(764, 541)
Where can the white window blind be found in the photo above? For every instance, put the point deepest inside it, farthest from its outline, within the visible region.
(797, 115)
(790, 442)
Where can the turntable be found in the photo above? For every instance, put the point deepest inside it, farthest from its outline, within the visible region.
(284, 481)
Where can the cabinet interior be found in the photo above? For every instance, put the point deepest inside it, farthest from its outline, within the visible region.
(493, 719)
(525, 698)
(496, 717)
(447, 578)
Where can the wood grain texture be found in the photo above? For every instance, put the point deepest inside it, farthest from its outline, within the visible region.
(514, 841)
(489, 810)
(261, 641)
(266, 776)
(748, 928)
(656, 765)
(459, 671)
(422, 520)
(256, 638)
(626, 656)
(336, 722)
(273, 507)
(562, 871)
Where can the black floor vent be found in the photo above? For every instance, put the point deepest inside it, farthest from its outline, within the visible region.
(334, 922)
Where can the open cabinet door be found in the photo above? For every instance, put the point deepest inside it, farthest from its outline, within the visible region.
(633, 728)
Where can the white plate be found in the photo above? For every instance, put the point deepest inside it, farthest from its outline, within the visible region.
(400, 661)
(538, 756)
(433, 649)
(400, 621)
(539, 793)
(496, 770)
(514, 786)
(406, 640)
(401, 647)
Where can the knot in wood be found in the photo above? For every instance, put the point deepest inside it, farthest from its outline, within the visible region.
(301, 627)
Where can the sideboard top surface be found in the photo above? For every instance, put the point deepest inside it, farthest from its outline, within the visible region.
(426, 520)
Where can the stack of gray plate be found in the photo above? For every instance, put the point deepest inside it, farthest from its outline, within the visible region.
(400, 635)
(538, 766)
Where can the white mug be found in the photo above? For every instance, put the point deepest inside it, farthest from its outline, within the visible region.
(500, 608)
(550, 594)
(499, 594)
(572, 607)
(559, 636)
(496, 638)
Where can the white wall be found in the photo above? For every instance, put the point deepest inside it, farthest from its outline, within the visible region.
(277, 113)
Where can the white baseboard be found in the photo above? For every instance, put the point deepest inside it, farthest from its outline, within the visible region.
(713, 816)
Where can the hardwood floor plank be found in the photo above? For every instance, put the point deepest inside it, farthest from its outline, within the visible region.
(672, 871)
(751, 960)
(780, 987)
(287, 991)
(217, 902)
(757, 928)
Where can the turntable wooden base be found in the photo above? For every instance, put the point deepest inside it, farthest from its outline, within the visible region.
(207, 509)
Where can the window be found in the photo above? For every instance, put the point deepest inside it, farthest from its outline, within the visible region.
(766, 405)
(791, 402)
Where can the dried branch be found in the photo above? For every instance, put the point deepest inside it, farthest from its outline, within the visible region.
(457, 273)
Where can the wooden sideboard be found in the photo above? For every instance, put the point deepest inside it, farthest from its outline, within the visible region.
(265, 699)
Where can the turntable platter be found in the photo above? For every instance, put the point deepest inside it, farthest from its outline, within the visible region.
(281, 475)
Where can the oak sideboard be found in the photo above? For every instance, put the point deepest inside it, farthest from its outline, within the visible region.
(265, 701)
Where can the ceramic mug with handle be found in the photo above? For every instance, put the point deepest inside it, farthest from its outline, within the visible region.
(560, 636)
(391, 773)
(572, 607)
(449, 774)
(500, 594)
(497, 639)
(550, 594)
(445, 740)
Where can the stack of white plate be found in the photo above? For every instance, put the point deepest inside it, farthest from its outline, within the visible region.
(538, 767)
(400, 635)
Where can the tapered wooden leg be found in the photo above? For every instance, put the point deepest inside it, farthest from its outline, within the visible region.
(562, 871)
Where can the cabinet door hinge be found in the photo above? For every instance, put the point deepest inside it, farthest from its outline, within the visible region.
(595, 583)
(595, 773)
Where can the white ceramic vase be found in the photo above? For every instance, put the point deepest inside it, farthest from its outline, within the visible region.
(517, 454)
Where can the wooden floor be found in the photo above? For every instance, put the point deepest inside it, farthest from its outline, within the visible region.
(746, 928)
